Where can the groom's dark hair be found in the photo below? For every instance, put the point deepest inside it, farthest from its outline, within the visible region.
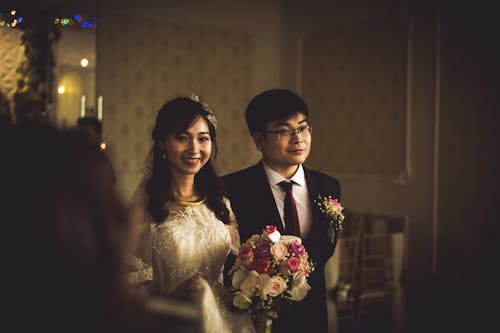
(273, 104)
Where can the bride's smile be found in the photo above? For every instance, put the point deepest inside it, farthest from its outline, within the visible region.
(188, 151)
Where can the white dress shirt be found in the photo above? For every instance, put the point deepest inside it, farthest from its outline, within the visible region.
(300, 194)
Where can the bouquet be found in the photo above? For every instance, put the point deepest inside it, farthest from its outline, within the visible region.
(270, 270)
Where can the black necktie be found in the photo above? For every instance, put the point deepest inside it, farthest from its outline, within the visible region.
(291, 217)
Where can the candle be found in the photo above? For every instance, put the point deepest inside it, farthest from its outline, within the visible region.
(99, 108)
(82, 106)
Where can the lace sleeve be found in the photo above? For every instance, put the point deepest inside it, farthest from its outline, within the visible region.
(136, 264)
(233, 229)
(137, 272)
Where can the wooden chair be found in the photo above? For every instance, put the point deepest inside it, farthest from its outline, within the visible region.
(346, 290)
(375, 277)
(345, 295)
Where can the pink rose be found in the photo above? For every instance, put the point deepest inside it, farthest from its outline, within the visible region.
(271, 233)
(335, 203)
(294, 264)
(245, 255)
(304, 268)
(271, 286)
(270, 229)
(297, 248)
(279, 251)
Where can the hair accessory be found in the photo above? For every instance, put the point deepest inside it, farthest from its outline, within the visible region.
(210, 116)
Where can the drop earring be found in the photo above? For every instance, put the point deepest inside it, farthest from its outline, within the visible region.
(164, 156)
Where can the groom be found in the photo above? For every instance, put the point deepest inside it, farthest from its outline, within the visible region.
(280, 191)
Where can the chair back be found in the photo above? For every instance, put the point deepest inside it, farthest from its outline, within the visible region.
(346, 292)
(348, 262)
(375, 263)
(349, 248)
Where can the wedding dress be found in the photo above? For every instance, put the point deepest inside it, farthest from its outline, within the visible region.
(192, 242)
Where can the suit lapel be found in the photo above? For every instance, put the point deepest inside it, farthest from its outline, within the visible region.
(265, 197)
(314, 188)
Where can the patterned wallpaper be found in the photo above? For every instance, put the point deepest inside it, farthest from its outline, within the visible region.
(144, 62)
(75, 44)
(354, 80)
(11, 55)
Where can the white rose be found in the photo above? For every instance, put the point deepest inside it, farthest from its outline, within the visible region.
(300, 288)
(275, 236)
(241, 301)
(279, 251)
(249, 285)
(286, 239)
(238, 277)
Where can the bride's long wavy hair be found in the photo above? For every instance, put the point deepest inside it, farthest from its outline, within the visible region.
(178, 115)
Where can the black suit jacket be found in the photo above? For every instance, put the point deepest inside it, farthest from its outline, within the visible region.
(253, 204)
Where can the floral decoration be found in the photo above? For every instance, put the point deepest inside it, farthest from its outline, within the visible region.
(333, 210)
(270, 269)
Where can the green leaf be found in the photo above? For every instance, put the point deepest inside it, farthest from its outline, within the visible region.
(331, 233)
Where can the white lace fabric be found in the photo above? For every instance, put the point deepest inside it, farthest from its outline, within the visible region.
(193, 242)
(190, 242)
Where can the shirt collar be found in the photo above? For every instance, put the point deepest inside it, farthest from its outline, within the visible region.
(275, 178)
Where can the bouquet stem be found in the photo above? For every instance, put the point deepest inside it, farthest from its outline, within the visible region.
(263, 323)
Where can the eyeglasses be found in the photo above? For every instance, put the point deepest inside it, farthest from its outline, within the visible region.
(288, 133)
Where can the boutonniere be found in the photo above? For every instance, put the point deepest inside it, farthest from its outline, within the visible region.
(333, 212)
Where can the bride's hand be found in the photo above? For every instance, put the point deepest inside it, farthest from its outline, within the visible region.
(187, 287)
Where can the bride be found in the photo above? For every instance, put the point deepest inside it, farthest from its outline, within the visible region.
(189, 225)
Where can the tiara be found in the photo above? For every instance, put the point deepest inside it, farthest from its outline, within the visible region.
(210, 116)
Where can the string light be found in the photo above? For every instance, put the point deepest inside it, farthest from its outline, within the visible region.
(77, 19)
(9, 19)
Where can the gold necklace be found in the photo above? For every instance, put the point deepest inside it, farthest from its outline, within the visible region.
(189, 203)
